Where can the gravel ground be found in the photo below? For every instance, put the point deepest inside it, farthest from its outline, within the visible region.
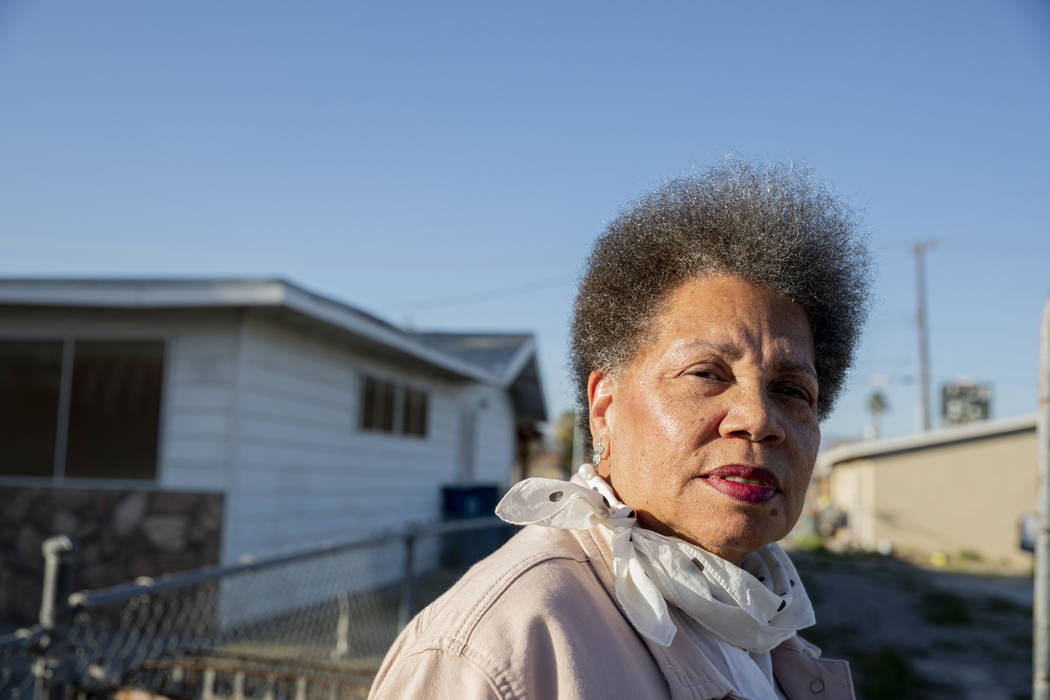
(913, 633)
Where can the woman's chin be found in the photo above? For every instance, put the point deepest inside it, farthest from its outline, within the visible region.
(735, 539)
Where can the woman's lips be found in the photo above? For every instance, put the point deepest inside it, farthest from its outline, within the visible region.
(743, 483)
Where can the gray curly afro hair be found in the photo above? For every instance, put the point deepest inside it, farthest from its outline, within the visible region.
(773, 226)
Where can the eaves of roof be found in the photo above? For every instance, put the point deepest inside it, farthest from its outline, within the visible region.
(922, 441)
(241, 293)
(509, 356)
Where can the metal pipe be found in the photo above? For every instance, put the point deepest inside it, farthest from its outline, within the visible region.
(1041, 619)
(58, 579)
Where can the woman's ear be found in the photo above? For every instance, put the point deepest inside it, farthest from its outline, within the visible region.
(600, 388)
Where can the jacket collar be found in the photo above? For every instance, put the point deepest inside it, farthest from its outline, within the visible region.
(797, 667)
(801, 672)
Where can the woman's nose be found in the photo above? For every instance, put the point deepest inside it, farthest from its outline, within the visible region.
(751, 415)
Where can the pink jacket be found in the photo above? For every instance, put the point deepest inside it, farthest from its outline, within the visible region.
(539, 620)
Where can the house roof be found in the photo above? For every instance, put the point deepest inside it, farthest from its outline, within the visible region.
(504, 360)
(502, 354)
(510, 356)
(928, 440)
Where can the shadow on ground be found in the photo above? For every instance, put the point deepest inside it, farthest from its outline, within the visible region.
(913, 633)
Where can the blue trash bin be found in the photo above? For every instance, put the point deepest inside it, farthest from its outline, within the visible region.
(461, 549)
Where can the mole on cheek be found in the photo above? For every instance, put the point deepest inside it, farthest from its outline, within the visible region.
(774, 512)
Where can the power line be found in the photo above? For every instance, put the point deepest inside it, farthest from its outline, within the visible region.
(473, 297)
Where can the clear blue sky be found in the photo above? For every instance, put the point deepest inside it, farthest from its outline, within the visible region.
(448, 164)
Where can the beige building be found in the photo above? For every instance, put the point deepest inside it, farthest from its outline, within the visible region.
(957, 491)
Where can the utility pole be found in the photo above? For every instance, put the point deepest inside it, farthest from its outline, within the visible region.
(924, 337)
(578, 450)
(1041, 621)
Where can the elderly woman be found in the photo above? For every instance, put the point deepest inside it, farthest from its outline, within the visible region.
(712, 331)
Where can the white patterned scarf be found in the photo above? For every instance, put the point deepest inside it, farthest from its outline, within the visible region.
(755, 606)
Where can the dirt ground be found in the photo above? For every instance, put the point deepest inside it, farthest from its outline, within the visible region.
(915, 633)
(909, 632)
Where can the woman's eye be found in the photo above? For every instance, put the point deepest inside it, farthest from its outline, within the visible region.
(795, 392)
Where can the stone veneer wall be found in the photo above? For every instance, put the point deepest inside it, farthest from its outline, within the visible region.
(121, 535)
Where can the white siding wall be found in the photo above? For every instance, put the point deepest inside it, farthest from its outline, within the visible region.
(494, 434)
(199, 400)
(306, 472)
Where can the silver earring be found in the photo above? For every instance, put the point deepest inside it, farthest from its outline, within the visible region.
(599, 450)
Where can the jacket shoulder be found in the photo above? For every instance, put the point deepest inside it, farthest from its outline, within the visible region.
(532, 620)
(535, 567)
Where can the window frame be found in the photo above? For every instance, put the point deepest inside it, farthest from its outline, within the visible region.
(424, 409)
(400, 398)
(68, 340)
(377, 414)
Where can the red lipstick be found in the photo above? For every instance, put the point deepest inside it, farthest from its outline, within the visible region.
(763, 488)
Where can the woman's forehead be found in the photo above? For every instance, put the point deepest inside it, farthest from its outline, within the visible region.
(733, 318)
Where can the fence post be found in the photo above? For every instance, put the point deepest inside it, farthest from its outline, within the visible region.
(342, 628)
(1041, 631)
(404, 612)
(58, 584)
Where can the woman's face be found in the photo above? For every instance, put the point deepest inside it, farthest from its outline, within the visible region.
(711, 431)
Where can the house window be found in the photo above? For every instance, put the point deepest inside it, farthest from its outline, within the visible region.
(30, 374)
(377, 405)
(414, 414)
(80, 408)
(392, 408)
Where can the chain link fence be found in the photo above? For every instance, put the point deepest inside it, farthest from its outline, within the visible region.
(309, 624)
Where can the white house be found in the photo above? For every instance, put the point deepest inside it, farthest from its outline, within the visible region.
(313, 419)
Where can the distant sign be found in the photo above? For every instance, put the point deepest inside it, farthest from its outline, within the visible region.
(965, 402)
